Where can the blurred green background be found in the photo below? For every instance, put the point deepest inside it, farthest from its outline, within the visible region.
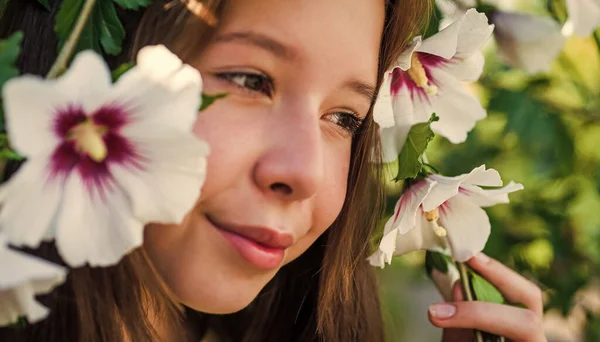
(542, 131)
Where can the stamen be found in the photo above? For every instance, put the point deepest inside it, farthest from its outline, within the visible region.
(88, 140)
(418, 74)
(433, 217)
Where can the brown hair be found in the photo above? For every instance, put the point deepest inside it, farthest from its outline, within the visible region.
(328, 294)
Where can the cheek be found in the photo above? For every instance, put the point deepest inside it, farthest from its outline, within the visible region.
(328, 202)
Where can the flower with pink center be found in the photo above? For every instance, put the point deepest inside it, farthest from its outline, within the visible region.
(22, 277)
(443, 214)
(584, 17)
(428, 78)
(103, 159)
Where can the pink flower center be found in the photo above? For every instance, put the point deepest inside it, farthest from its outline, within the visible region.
(91, 144)
(418, 79)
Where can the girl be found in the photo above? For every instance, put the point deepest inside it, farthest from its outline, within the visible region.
(275, 248)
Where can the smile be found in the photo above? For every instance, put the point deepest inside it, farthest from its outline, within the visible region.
(262, 247)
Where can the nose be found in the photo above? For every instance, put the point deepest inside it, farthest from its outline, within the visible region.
(291, 166)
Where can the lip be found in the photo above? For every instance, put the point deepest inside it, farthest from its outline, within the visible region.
(261, 246)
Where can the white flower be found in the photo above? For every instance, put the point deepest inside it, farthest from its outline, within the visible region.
(428, 78)
(443, 214)
(102, 159)
(21, 278)
(584, 17)
(527, 42)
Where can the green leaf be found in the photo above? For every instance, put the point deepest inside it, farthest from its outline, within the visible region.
(103, 30)
(5, 151)
(121, 69)
(208, 100)
(410, 159)
(437, 261)
(484, 291)
(45, 4)
(133, 4)
(433, 26)
(542, 134)
(10, 49)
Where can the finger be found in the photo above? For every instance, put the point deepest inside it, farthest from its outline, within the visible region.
(513, 286)
(511, 322)
(457, 292)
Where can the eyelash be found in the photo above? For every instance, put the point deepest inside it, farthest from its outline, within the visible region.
(349, 121)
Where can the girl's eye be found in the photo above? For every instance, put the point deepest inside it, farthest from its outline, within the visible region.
(248, 81)
(350, 122)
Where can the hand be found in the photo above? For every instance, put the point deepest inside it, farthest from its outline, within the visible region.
(514, 323)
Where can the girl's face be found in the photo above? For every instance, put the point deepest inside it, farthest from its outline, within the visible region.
(299, 75)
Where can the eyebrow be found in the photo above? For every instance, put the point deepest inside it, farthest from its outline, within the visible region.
(261, 41)
(364, 89)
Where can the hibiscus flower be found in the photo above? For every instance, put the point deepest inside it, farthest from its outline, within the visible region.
(443, 214)
(103, 159)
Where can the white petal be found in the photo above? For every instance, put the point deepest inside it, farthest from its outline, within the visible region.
(443, 43)
(157, 62)
(21, 278)
(484, 177)
(457, 109)
(96, 229)
(468, 69)
(87, 82)
(584, 17)
(393, 138)
(167, 94)
(383, 112)
(404, 61)
(404, 218)
(422, 237)
(29, 105)
(488, 198)
(474, 32)
(526, 41)
(176, 169)
(448, 187)
(30, 190)
(392, 141)
(386, 250)
(468, 227)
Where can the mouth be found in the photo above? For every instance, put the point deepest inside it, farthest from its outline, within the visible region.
(262, 247)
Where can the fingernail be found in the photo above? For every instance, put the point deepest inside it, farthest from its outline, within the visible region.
(482, 258)
(442, 311)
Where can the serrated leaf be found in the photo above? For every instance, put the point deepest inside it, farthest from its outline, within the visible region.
(208, 100)
(484, 291)
(103, 30)
(410, 159)
(120, 70)
(45, 4)
(437, 261)
(112, 32)
(133, 4)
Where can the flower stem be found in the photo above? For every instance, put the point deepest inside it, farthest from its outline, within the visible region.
(60, 65)
(468, 292)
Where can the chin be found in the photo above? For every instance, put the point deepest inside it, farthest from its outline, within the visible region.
(221, 299)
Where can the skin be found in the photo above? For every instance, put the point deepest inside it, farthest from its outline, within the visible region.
(281, 158)
(278, 160)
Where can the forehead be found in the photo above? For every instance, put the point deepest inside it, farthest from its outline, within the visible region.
(325, 35)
